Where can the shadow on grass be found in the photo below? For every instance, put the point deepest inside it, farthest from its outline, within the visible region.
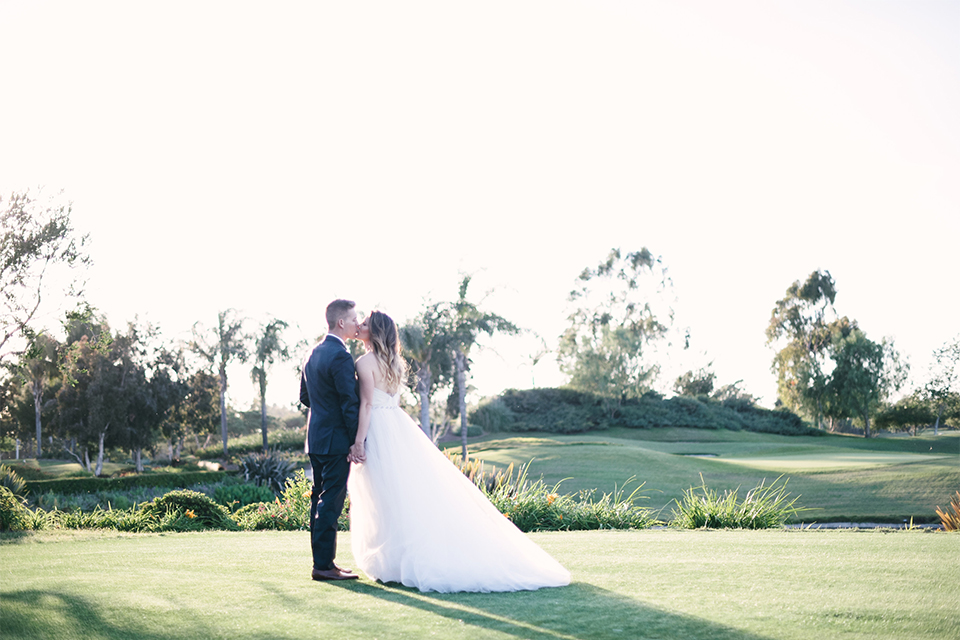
(30, 614)
(577, 611)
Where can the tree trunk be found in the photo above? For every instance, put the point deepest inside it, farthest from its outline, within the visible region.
(866, 425)
(138, 457)
(423, 388)
(179, 447)
(37, 397)
(936, 424)
(17, 448)
(461, 361)
(86, 458)
(263, 414)
(223, 406)
(99, 469)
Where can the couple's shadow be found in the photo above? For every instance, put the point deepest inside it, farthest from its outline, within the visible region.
(580, 610)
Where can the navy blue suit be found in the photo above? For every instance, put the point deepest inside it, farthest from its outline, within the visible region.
(329, 387)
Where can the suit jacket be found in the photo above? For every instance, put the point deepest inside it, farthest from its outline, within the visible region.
(328, 385)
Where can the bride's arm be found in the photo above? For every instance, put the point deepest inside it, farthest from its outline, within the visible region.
(365, 367)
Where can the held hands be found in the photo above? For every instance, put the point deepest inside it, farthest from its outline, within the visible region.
(357, 454)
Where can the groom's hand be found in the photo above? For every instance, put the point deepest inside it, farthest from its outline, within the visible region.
(357, 453)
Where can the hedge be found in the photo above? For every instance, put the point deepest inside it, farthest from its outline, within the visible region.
(89, 485)
(570, 411)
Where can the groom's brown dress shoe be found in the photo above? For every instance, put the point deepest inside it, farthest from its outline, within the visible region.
(332, 574)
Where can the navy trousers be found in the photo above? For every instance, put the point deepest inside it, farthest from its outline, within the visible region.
(326, 504)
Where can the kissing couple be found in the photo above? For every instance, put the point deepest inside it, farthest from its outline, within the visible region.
(415, 518)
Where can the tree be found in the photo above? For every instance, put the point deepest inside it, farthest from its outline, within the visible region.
(92, 400)
(196, 413)
(909, 413)
(38, 365)
(616, 320)
(429, 358)
(219, 347)
(33, 240)
(466, 323)
(695, 383)
(864, 374)
(944, 376)
(268, 347)
(151, 388)
(803, 321)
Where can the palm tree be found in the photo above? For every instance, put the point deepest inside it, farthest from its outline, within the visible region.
(227, 343)
(466, 323)
(425, 347)
(269, 347)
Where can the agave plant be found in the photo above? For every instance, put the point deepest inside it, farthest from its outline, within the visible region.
(12, 481)
(267, 469)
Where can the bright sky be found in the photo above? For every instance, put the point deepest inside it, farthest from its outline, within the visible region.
(272, 156)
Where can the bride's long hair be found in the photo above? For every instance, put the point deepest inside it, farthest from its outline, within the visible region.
(385, 345)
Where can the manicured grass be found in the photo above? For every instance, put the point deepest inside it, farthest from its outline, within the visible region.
(627, 584)
(839, 478)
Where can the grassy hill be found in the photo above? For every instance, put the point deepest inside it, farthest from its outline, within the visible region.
(839, 478)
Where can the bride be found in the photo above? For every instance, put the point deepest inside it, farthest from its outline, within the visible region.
(414, 517)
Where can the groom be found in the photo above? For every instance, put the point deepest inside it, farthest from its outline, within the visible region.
(328, 387)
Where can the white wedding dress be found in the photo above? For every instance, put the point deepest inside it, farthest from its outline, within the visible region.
(417, 520)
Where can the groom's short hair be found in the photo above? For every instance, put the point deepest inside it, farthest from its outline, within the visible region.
(338, 309)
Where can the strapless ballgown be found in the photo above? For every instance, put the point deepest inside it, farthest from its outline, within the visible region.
(417, 520)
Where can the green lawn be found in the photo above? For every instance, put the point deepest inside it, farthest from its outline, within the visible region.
(839, 478)
(627, 584)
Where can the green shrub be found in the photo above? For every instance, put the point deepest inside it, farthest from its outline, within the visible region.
(191, 505)
(267, 469)
(764, 507)
(12, 481)
(14, 515)
(493, 415)
(27, 472)
(92, 485)
(278, 439)
(235, 496)
(289, 512)
(569, 411)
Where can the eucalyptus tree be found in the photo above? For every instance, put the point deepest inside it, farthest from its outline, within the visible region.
(465, 323)
(695, 383)
(619, 314)
(802, 324)
(268, 347)
(38, 366)
(92, 401)
(196, 413)
(429, 360)
(865, 373)
(152, 387)
(942, 389)
(220, 346)
(34, 239)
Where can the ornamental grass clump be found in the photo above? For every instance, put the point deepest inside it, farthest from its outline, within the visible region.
(533, 506)
(14, 515)
(12, 481)
(764, 507)
(950, 517)
(267, 469)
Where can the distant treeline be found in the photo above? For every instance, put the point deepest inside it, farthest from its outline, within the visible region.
(569, 411)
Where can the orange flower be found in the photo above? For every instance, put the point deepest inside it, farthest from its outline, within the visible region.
(306, 494)
(551, 498)
(190, 513)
